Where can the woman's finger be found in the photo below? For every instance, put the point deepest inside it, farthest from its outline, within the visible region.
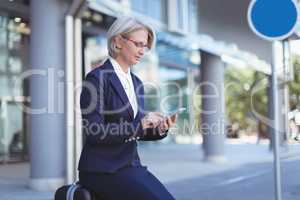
(174, 118)
(158, 114)
(169, 121)
(166, 125)
(155, 116)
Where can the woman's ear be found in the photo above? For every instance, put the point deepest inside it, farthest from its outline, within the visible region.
(118, 42)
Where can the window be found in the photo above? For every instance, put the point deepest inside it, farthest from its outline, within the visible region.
(138, 6)
(182, 15)
(169, 80)
(13, 55)
(177, 15)
(95, 51)
(157, 9)
(193, 16)
(14, 46)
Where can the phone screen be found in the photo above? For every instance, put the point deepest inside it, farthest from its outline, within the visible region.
(180, 110)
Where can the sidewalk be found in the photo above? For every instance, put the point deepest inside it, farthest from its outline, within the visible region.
(178, 162)
(169, 162)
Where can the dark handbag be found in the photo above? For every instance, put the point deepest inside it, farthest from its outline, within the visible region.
(73, 192)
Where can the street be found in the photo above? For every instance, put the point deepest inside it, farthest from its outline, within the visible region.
(248, 182)
(247, 174)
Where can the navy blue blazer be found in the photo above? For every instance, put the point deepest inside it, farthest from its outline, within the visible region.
(109, 124)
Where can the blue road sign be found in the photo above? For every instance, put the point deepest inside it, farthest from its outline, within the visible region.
(273, 19)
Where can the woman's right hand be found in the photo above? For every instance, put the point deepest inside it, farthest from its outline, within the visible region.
(152, 120)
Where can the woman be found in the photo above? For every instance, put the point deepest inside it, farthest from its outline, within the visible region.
(112, 107)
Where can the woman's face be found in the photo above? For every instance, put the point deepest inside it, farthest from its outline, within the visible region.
(133, 46)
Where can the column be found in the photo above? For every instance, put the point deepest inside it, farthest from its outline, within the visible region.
(47, 122)
(213, 107)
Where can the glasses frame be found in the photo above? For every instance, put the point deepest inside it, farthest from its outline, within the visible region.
(137, 44)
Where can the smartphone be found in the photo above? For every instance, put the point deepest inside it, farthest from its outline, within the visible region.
(178, 111)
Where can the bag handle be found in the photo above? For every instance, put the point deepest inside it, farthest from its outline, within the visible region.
(71, 190)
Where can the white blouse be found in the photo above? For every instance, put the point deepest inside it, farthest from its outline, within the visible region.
(126, 81)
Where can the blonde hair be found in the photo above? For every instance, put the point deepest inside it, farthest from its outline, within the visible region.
(125, 25)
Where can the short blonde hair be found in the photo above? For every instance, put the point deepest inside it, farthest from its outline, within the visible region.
(125, 25)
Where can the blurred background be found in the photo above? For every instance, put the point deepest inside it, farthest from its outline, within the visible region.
(47, 47)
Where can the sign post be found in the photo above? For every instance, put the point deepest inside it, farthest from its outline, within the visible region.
(284, 15)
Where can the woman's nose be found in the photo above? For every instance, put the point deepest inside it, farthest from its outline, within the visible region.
(141, 51)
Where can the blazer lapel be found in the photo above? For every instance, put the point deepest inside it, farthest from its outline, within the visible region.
(137, 90)
(117, 85)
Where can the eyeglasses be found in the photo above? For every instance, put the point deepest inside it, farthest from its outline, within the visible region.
(137, 44)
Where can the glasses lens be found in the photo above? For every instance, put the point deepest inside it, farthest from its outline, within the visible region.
(137, 44)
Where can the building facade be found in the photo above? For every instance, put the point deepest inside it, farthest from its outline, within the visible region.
(170, 62)
(47, 47)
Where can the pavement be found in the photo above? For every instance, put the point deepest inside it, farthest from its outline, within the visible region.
(173, 164)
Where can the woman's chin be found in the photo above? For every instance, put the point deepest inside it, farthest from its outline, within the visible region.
(135, 62)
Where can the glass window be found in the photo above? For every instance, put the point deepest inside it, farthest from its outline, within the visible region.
(157, 9)
(138, 6)
(14, 48)
(173, 82)
(180, 14)
(3, 85)
(9, 86)
(13, 54)
(3, 43)
(166, 91)
(13, 146)
(147, 71)
(95, 51)
(193, 16)
(162, 92)
(184, 16)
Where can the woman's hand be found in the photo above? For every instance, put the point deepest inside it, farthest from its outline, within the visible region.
(167, 123)
(152, 120)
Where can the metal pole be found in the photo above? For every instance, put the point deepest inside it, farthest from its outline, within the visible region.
(73, 76)
(77, 90)
(69, 71)
(288, 76)
(277, 173)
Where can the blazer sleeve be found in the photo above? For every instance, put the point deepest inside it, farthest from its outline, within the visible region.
(151, 134)
(94, 126)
